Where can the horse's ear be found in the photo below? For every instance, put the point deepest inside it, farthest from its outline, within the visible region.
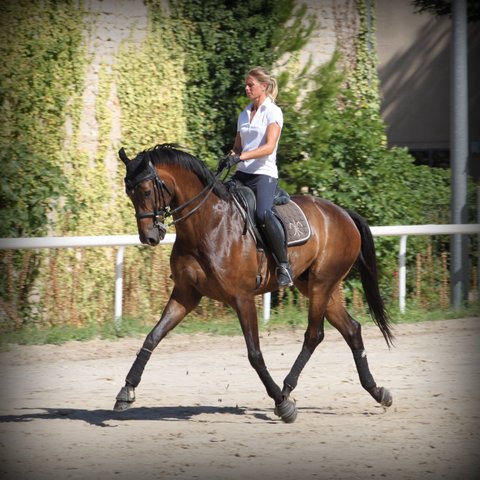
(123, 156)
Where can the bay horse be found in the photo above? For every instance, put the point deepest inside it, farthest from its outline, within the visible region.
(213, 257)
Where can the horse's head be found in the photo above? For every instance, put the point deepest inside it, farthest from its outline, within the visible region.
(150, 196)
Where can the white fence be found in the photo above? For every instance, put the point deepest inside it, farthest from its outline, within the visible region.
(406, 230)
(121, 241)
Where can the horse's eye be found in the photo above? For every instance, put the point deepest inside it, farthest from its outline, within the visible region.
(148, 193)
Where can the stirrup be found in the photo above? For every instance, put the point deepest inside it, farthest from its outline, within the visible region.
(284, 275)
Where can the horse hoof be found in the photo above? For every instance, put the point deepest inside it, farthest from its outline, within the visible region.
(121, 406)
(286, 410)
(125, 399)
(386, 399)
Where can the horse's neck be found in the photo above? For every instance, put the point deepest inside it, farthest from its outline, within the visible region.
(215, 217)
(189, 193)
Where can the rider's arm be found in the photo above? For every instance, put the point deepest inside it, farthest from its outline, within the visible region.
(237, 146)
(272, 135)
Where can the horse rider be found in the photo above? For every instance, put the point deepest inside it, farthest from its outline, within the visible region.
(254, 152)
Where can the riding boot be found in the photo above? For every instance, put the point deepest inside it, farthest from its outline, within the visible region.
(274, 235)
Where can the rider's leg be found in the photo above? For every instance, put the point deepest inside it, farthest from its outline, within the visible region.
(272, 229)
(274, 234)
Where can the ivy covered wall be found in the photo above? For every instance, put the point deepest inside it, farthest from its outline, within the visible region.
(83, 79)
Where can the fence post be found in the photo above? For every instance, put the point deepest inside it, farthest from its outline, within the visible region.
(266, 307)
(119, 286)
(402, 274)
(478, 242)
(459, 152)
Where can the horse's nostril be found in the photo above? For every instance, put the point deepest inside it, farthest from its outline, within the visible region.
(152, 241)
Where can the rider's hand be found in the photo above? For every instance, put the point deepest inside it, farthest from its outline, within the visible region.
(228, 162)
(232, 160)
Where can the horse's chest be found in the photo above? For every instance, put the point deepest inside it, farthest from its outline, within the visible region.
(189, 271)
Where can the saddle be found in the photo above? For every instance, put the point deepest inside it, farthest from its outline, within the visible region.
(291, 216)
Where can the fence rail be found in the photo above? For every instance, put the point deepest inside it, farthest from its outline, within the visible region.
(121, 241)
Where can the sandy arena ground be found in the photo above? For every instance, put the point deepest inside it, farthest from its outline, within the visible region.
(202, 413)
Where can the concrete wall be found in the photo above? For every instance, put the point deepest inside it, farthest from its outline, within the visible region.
(109, 23)
(414, 70)
(336, 21)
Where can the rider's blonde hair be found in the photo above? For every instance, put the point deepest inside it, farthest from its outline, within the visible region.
(263, 76)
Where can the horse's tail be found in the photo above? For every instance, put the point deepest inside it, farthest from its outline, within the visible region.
(367, 263)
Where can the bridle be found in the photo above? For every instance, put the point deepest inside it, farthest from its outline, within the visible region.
(160, 189)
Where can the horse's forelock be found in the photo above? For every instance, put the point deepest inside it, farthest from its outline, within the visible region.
(135, 166)
(137, 170)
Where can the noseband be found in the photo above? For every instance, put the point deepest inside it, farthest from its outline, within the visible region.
(160, 213)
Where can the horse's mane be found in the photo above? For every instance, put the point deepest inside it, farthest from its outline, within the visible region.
(170, 154)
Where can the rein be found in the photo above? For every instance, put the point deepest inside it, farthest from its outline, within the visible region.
(208, 190)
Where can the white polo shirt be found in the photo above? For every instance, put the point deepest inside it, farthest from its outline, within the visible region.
(253, 135)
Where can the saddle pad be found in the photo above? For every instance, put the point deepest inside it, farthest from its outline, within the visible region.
(295, 223)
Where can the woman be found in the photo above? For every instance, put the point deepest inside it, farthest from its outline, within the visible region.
(255, 150)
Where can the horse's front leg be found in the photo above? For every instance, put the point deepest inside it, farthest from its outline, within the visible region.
(314, 334)
(178, 306)
(247, 314)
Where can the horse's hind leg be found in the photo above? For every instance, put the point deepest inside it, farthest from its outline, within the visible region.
(351, 331)
(178, 306)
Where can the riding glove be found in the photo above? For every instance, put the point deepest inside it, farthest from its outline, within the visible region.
(228, 162)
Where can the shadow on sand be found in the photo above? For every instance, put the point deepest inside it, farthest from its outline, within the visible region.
(101, 417)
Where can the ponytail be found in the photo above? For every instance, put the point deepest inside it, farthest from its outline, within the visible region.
(263, 76)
